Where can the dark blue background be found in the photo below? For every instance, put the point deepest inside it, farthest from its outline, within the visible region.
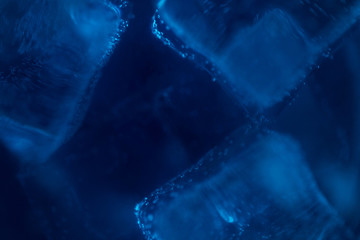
(153, 114)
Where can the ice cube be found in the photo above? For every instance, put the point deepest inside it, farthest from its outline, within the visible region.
(50, 56)
(263, 48)
(253, 189)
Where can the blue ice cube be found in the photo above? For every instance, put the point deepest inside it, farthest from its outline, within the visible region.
(263, 48)
(51, 52)
(253, 189)
(325, 121)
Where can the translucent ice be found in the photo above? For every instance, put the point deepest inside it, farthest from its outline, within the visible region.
(263, 48)
(325, 120)
(51, 52)
(261, 190)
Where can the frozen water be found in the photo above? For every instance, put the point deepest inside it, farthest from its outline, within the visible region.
(261, 190)
(328, 106)
(51, 52)
(263, 48)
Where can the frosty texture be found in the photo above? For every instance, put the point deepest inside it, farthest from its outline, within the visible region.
(263, 48)
(261, 190)
(51, 52)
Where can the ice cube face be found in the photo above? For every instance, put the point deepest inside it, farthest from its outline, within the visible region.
(263, 48)
(50, 55)
(260, 189)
